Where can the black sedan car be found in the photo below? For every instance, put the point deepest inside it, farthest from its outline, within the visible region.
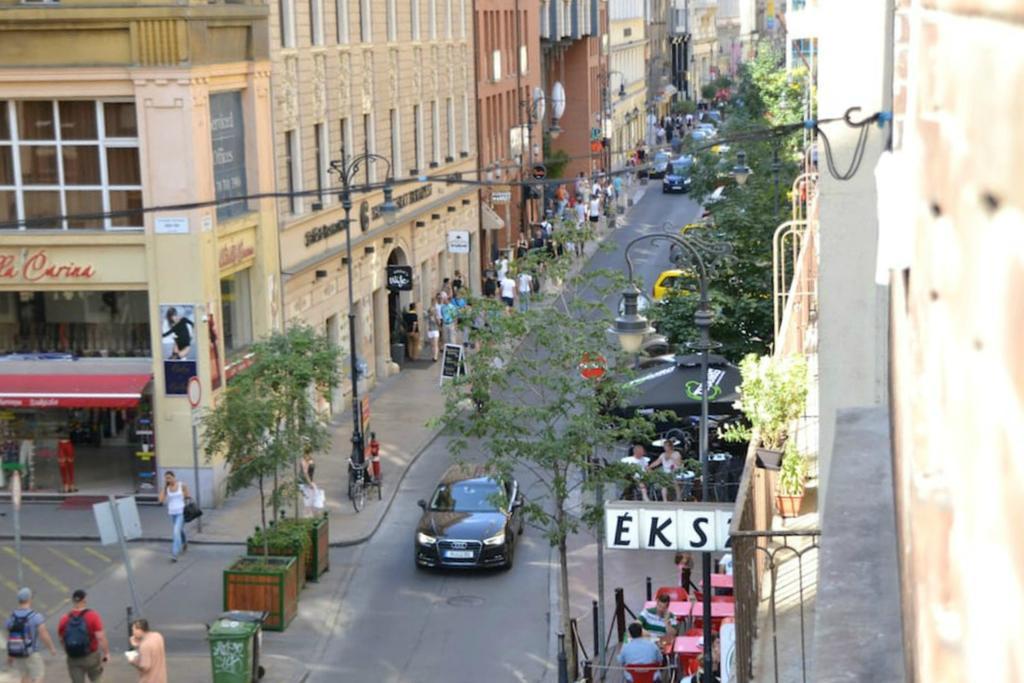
(677, 177)
(472, 520)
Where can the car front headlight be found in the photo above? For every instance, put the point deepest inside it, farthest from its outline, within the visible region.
(496, 539)
(424, 539)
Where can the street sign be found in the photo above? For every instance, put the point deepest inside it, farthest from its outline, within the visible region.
(540, 171)
(400, 278)
(458, 241)
(595, 134)
(686, 527)
(195, 392)
(452, 364)
(128, 516)
(501, 197)
(592, 366)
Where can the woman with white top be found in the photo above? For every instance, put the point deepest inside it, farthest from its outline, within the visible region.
(174, 494)
(595, 208)
(671, 461)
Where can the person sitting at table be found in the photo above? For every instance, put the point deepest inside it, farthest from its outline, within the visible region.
(638, 459)
(639, 650)
(657, 621)
(716, 664)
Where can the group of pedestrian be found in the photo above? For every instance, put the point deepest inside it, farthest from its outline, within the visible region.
(81, 635)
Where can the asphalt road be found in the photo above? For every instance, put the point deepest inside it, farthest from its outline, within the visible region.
(389, 622)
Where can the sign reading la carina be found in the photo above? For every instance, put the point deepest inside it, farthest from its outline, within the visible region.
(687, 527)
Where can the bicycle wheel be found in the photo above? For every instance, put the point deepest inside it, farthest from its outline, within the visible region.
(359, 495)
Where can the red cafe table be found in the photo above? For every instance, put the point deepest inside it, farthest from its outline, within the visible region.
(688, 649)
(719, 610)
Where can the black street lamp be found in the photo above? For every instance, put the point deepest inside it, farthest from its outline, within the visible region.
(534, 111)
(631, 326)
(346, 170)
(741, 171)
(776, 168)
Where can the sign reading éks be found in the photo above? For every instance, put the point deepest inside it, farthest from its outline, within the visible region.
(687, 527)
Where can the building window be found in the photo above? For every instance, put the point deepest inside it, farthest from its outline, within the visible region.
(369, 147)
(524, 65)
(462, 19)
(417, 126)
(62, 159)
(316, 22)
(83, 323)
(448, 19)
(341, 23)
(286, 8)
(320, 140)
(435, 133)
(450, 127)
(414, 18)
(227, 132)
(392, 9)
(432, 18)
(294, 169)
(396, 144)
(465, 123)
(365, 23)
(236, 311)
(345, 139)
(496, 66)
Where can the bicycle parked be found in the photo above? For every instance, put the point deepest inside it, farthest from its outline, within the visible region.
(359, 483)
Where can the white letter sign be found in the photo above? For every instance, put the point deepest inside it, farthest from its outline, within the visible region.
(693, 527)
(622, 529)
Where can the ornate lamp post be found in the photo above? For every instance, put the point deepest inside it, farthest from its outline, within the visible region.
(346, 171)
(631, 326)
(535, 110)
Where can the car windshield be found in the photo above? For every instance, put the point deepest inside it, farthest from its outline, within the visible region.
(468, 496)
(680, 168)
(661, 158)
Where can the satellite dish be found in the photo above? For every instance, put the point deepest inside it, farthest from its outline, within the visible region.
(538, 102)
(557, 100)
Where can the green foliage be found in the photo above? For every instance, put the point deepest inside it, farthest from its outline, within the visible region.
(555, 160)
(708, 91)
(266, 417)
(285, 533)
(793, 473)
(773, 393)
(684, 107)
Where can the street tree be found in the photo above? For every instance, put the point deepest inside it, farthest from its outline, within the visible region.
(525, 405)
(267, 416)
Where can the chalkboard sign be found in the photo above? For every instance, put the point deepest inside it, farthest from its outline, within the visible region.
(452, 364)
(400, 278)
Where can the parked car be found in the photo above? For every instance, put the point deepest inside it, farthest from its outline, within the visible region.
(472, 520)
(677, 177)
(700, 135)
(660, 164)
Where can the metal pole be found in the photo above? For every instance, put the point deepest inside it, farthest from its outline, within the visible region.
(563, 662)
(776, 167)
(620, 614)
(357, 431)
(703, 320)
(124, 555)
(195, 469)
(16, 485)
(599, 652)
(597, 628)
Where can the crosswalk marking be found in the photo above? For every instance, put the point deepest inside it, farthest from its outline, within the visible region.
(72, 561)
(59, 585)
(97, 554)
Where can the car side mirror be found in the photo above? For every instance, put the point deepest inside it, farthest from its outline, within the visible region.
(422, 503)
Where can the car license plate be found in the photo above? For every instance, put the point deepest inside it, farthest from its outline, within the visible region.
(459, 554)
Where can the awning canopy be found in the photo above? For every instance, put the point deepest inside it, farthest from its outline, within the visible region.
(72, 390)
(492, 221)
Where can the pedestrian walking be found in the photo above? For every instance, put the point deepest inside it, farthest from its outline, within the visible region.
(595, 208)
(448, 315)
(508, 292)
(85, 642)
(26, 628)
(150, 658)
(174, 494)
(525, 284)
(434, 329)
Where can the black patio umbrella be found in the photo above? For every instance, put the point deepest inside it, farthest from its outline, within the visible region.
(676, 388)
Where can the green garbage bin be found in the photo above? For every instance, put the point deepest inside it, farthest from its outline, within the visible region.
(235, 647)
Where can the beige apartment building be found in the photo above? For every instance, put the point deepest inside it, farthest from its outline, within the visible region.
(388, 77)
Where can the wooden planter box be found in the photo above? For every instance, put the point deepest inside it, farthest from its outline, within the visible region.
(273, 589)
(318, 559)
(301, 558)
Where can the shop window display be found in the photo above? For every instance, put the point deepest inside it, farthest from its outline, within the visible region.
(85, 324)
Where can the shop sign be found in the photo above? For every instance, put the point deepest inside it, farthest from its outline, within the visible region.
(37, 265)
(404, 200)
(227, 138)
(322, 232)
(170, 226)
(501, 197)
(237, 251)
(458, 241)
(178, 346)
(400, 278)
(686, 527)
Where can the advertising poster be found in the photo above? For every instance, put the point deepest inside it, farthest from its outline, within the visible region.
(178, 346)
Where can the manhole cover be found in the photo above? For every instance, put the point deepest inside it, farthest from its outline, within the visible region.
(465, 601)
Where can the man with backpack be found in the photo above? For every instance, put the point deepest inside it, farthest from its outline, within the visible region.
(85, 643)
(25, 629)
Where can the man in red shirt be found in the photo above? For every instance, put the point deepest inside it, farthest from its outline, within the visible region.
(81, 633)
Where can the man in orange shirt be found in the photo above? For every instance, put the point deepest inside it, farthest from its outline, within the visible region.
(152, 659)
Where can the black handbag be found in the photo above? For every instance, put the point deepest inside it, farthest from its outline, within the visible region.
(192, 510)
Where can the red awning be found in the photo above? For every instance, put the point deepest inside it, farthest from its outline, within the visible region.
(71, 391)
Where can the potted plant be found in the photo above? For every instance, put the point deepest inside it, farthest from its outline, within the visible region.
(284, 538)
(790, 492)
(264, 584)
(773, 393)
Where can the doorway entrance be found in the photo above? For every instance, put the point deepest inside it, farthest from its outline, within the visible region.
(396, 303)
